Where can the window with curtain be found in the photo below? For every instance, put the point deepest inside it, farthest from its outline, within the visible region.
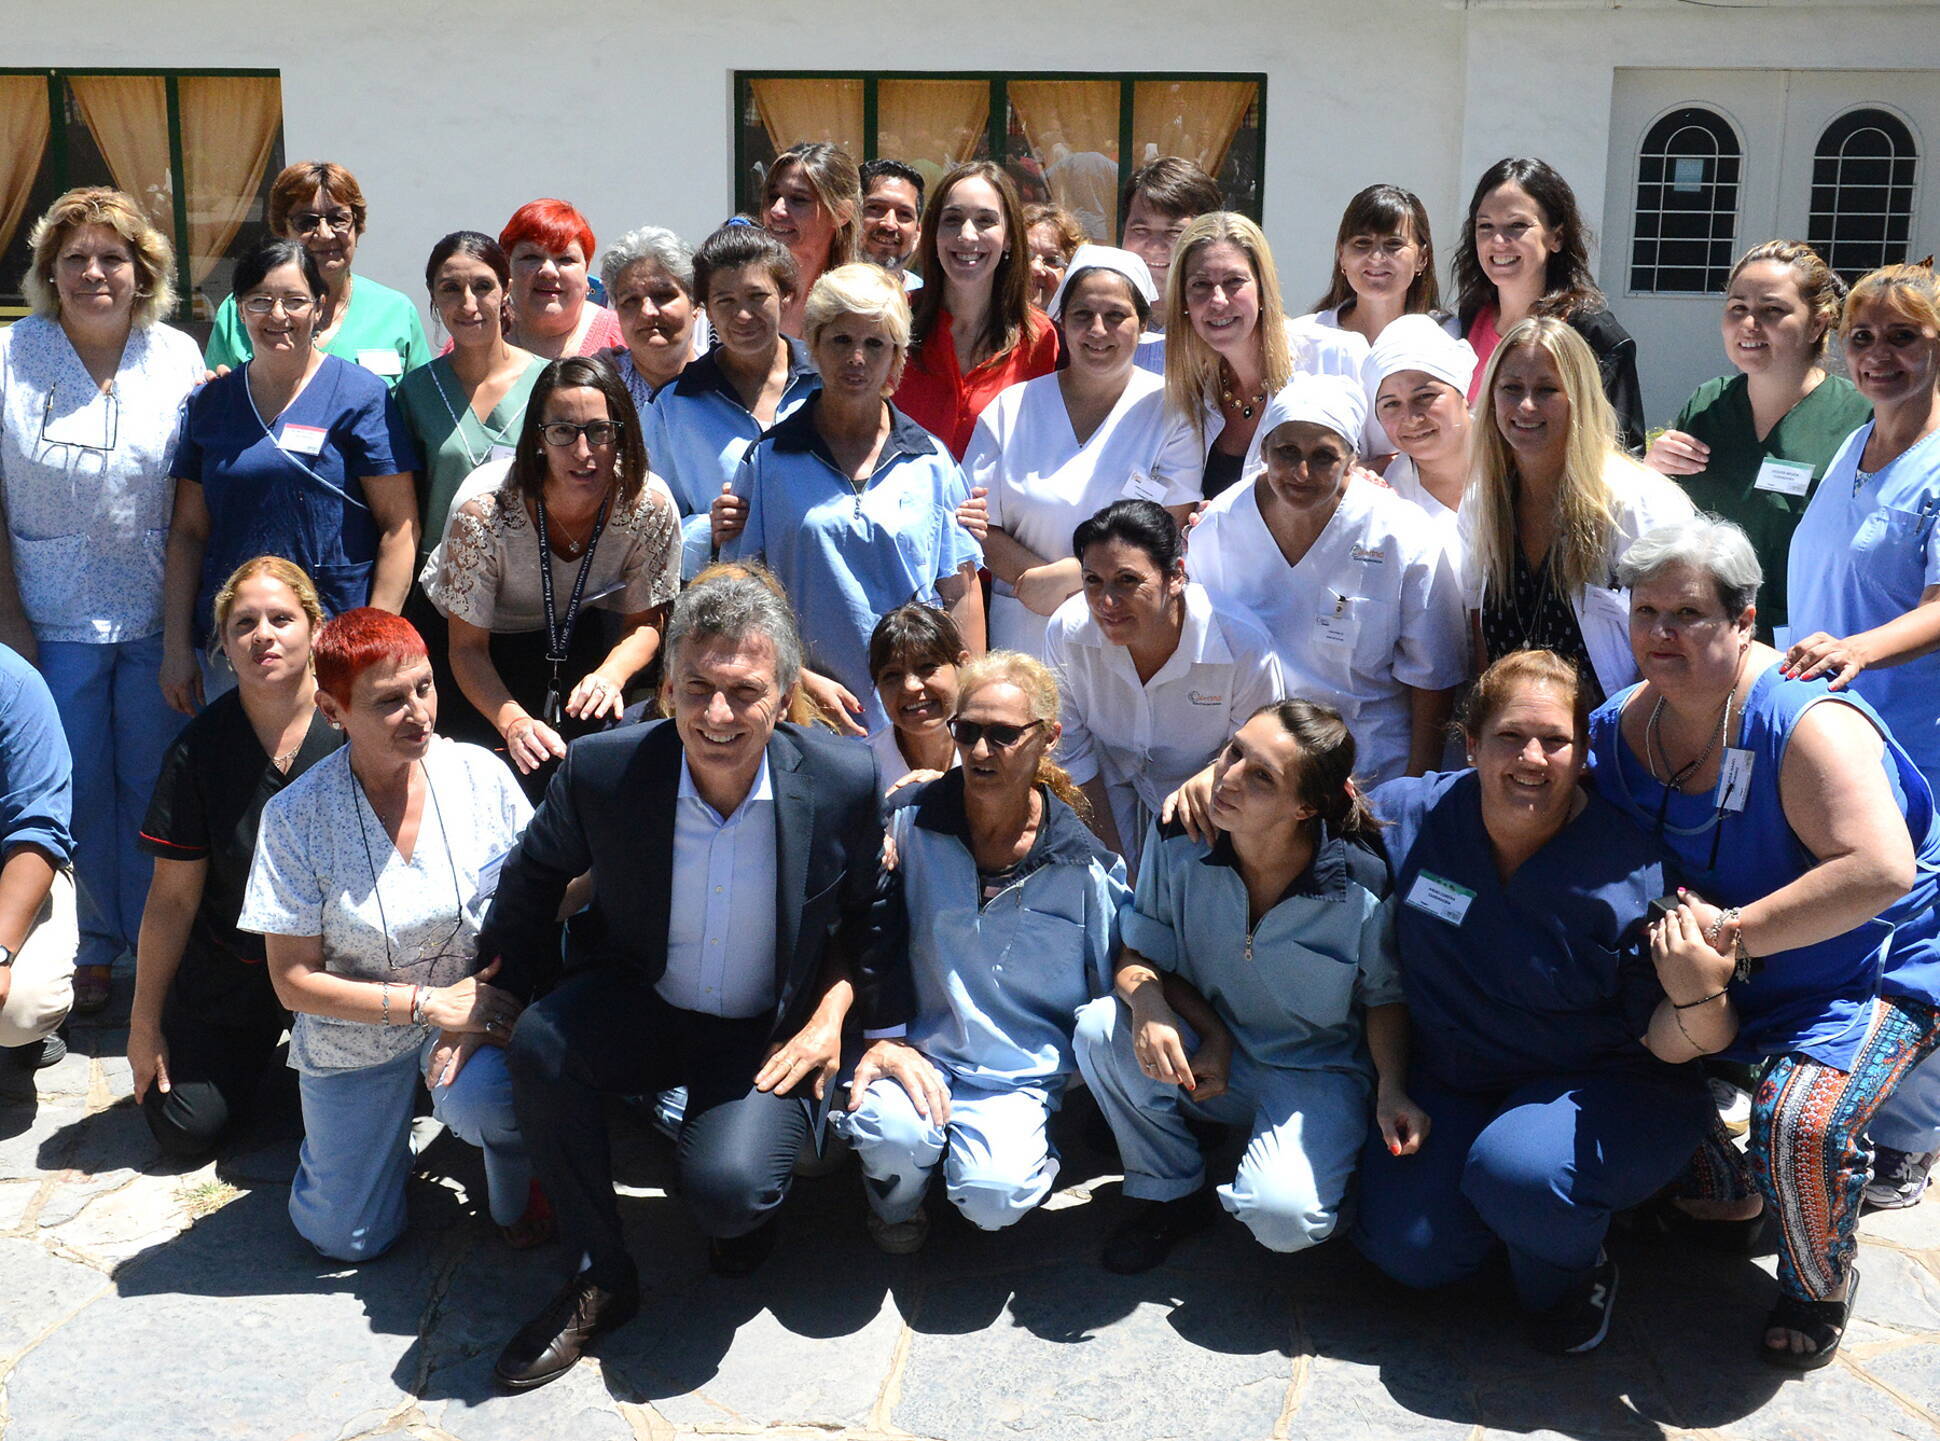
(1686, 229)
(1863, 175)
(198, 150)
(1071, 139)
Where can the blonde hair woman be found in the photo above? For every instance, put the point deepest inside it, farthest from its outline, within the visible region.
(997, 866)
(812, 203)
(1551, 506)
(90, 387)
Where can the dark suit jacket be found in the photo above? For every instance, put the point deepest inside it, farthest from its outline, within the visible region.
(1616, 361)
(610, 810)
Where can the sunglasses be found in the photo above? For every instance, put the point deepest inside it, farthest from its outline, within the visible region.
(1000, 735)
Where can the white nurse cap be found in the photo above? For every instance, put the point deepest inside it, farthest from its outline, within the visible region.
(1106, 257)
(1418, 342)
(1335, 401)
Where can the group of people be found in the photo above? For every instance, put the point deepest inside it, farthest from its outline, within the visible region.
(909, 658)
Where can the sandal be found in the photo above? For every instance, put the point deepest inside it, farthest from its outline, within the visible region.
(1663, 1219)
(92, 987)
(536, 1227)
(1823, 1323)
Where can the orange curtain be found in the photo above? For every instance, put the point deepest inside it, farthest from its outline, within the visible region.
(128, 116)
(1194, 119)
(796, 110)
(229, 126)
(23, 140)
(1072, 127)
(932, 124)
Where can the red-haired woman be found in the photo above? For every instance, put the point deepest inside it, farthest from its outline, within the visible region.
(550, 246)
(371, 877)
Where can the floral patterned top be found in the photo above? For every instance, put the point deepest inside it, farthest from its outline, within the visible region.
(486, 571)
(85, 477)
(325, 867)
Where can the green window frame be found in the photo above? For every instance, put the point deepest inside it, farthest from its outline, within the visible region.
(743, 185)
(60, 162)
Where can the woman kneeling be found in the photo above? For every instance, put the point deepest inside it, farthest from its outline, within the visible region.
(1014, 920)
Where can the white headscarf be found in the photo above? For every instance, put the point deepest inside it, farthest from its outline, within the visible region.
(1418, 342)
(1334, 401)
(1106, 257)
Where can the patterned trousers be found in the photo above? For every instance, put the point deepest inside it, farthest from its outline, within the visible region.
(1807, 1156)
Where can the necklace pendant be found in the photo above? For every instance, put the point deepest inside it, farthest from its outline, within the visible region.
(1246, 412)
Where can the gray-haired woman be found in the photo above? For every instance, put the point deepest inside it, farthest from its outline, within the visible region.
(649, 278)
(1810, 836)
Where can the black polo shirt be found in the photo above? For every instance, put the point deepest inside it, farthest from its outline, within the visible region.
(208, 800)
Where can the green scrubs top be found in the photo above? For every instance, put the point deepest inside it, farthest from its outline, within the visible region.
(1719, 414)
(382, 333)
(451, 440)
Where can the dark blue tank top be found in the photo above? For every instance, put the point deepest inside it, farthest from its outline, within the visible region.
(1811, 999)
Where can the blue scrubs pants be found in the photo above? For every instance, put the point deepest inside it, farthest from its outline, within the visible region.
(1540, 1169)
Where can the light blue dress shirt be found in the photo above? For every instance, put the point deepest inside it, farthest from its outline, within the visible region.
(848, 556)
(697, 430)
(721, 907)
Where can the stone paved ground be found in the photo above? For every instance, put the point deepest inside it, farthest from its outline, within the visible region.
(146, 1302)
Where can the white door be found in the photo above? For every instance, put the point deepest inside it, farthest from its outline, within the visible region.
(1661, 264)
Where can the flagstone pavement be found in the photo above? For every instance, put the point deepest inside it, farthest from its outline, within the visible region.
(144, 1301)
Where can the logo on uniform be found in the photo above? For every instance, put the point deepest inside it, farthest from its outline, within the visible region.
(1201, 698)
(1373, 555)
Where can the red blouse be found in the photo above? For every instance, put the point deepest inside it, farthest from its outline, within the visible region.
(946, 402)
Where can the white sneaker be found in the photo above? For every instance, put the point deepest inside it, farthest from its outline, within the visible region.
(900, 1238)
(1899, 1178)
(1734, 1106)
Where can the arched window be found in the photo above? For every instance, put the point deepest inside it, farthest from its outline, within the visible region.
(1687, 204)
(1862, 192)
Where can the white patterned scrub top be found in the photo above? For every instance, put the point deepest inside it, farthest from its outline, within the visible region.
(325, 867)
(86, 477)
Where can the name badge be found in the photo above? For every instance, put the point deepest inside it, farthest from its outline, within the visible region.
(1440, 898)
(1337, 625)
(488, 875)
(1145, 487)
(381, 362)
(501, 452)
(1734, 779)
(1787, 477)
(303, 439)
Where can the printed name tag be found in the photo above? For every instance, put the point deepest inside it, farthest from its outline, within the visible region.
(1440, 898)
(501, 452)
(381, 362)
(303, 439)
(1145, 487)
(488, 875)
(1734, 779)
(1336, 627)
(1787, 477)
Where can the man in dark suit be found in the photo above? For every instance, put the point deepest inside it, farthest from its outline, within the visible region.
(740, 910)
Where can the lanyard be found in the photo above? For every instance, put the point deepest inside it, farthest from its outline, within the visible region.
(557, 636)
(492, 437)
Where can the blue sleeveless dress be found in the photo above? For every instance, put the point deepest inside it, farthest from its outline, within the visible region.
(1810, 999)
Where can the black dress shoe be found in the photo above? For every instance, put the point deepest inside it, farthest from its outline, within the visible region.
(741, 1255)
(548, 1345)
(1147, 1236)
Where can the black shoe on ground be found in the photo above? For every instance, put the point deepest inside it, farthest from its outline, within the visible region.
(547, 1346)
(1581, 1321)
(735, 1256)
(1146, 1237)
(50, 1050)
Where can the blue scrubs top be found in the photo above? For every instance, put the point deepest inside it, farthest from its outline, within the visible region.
(1545, 975)
(697, 430)
(36, 769)
(849, 556)
(1291, 989)
(1864, 550)
(284, 490)
(1814, 999)
(999, 982)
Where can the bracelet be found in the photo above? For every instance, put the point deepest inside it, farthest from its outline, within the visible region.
(1701, 1000)
(384, 1001)
(418, 998)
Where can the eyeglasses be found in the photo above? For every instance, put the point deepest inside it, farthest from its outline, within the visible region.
(339, 222)
(110, 426)
(293, 305)
(1000, 735)
(562, 433)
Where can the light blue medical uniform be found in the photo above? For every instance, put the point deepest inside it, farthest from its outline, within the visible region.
(1293, 990)
(998, 984)
(848, 556)
(697, 430)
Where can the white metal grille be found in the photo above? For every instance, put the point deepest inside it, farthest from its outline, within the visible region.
(1863, 175)
(1686, 226)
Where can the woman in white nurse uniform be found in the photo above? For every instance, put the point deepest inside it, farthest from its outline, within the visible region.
(1054, 450)
(1358, 588)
